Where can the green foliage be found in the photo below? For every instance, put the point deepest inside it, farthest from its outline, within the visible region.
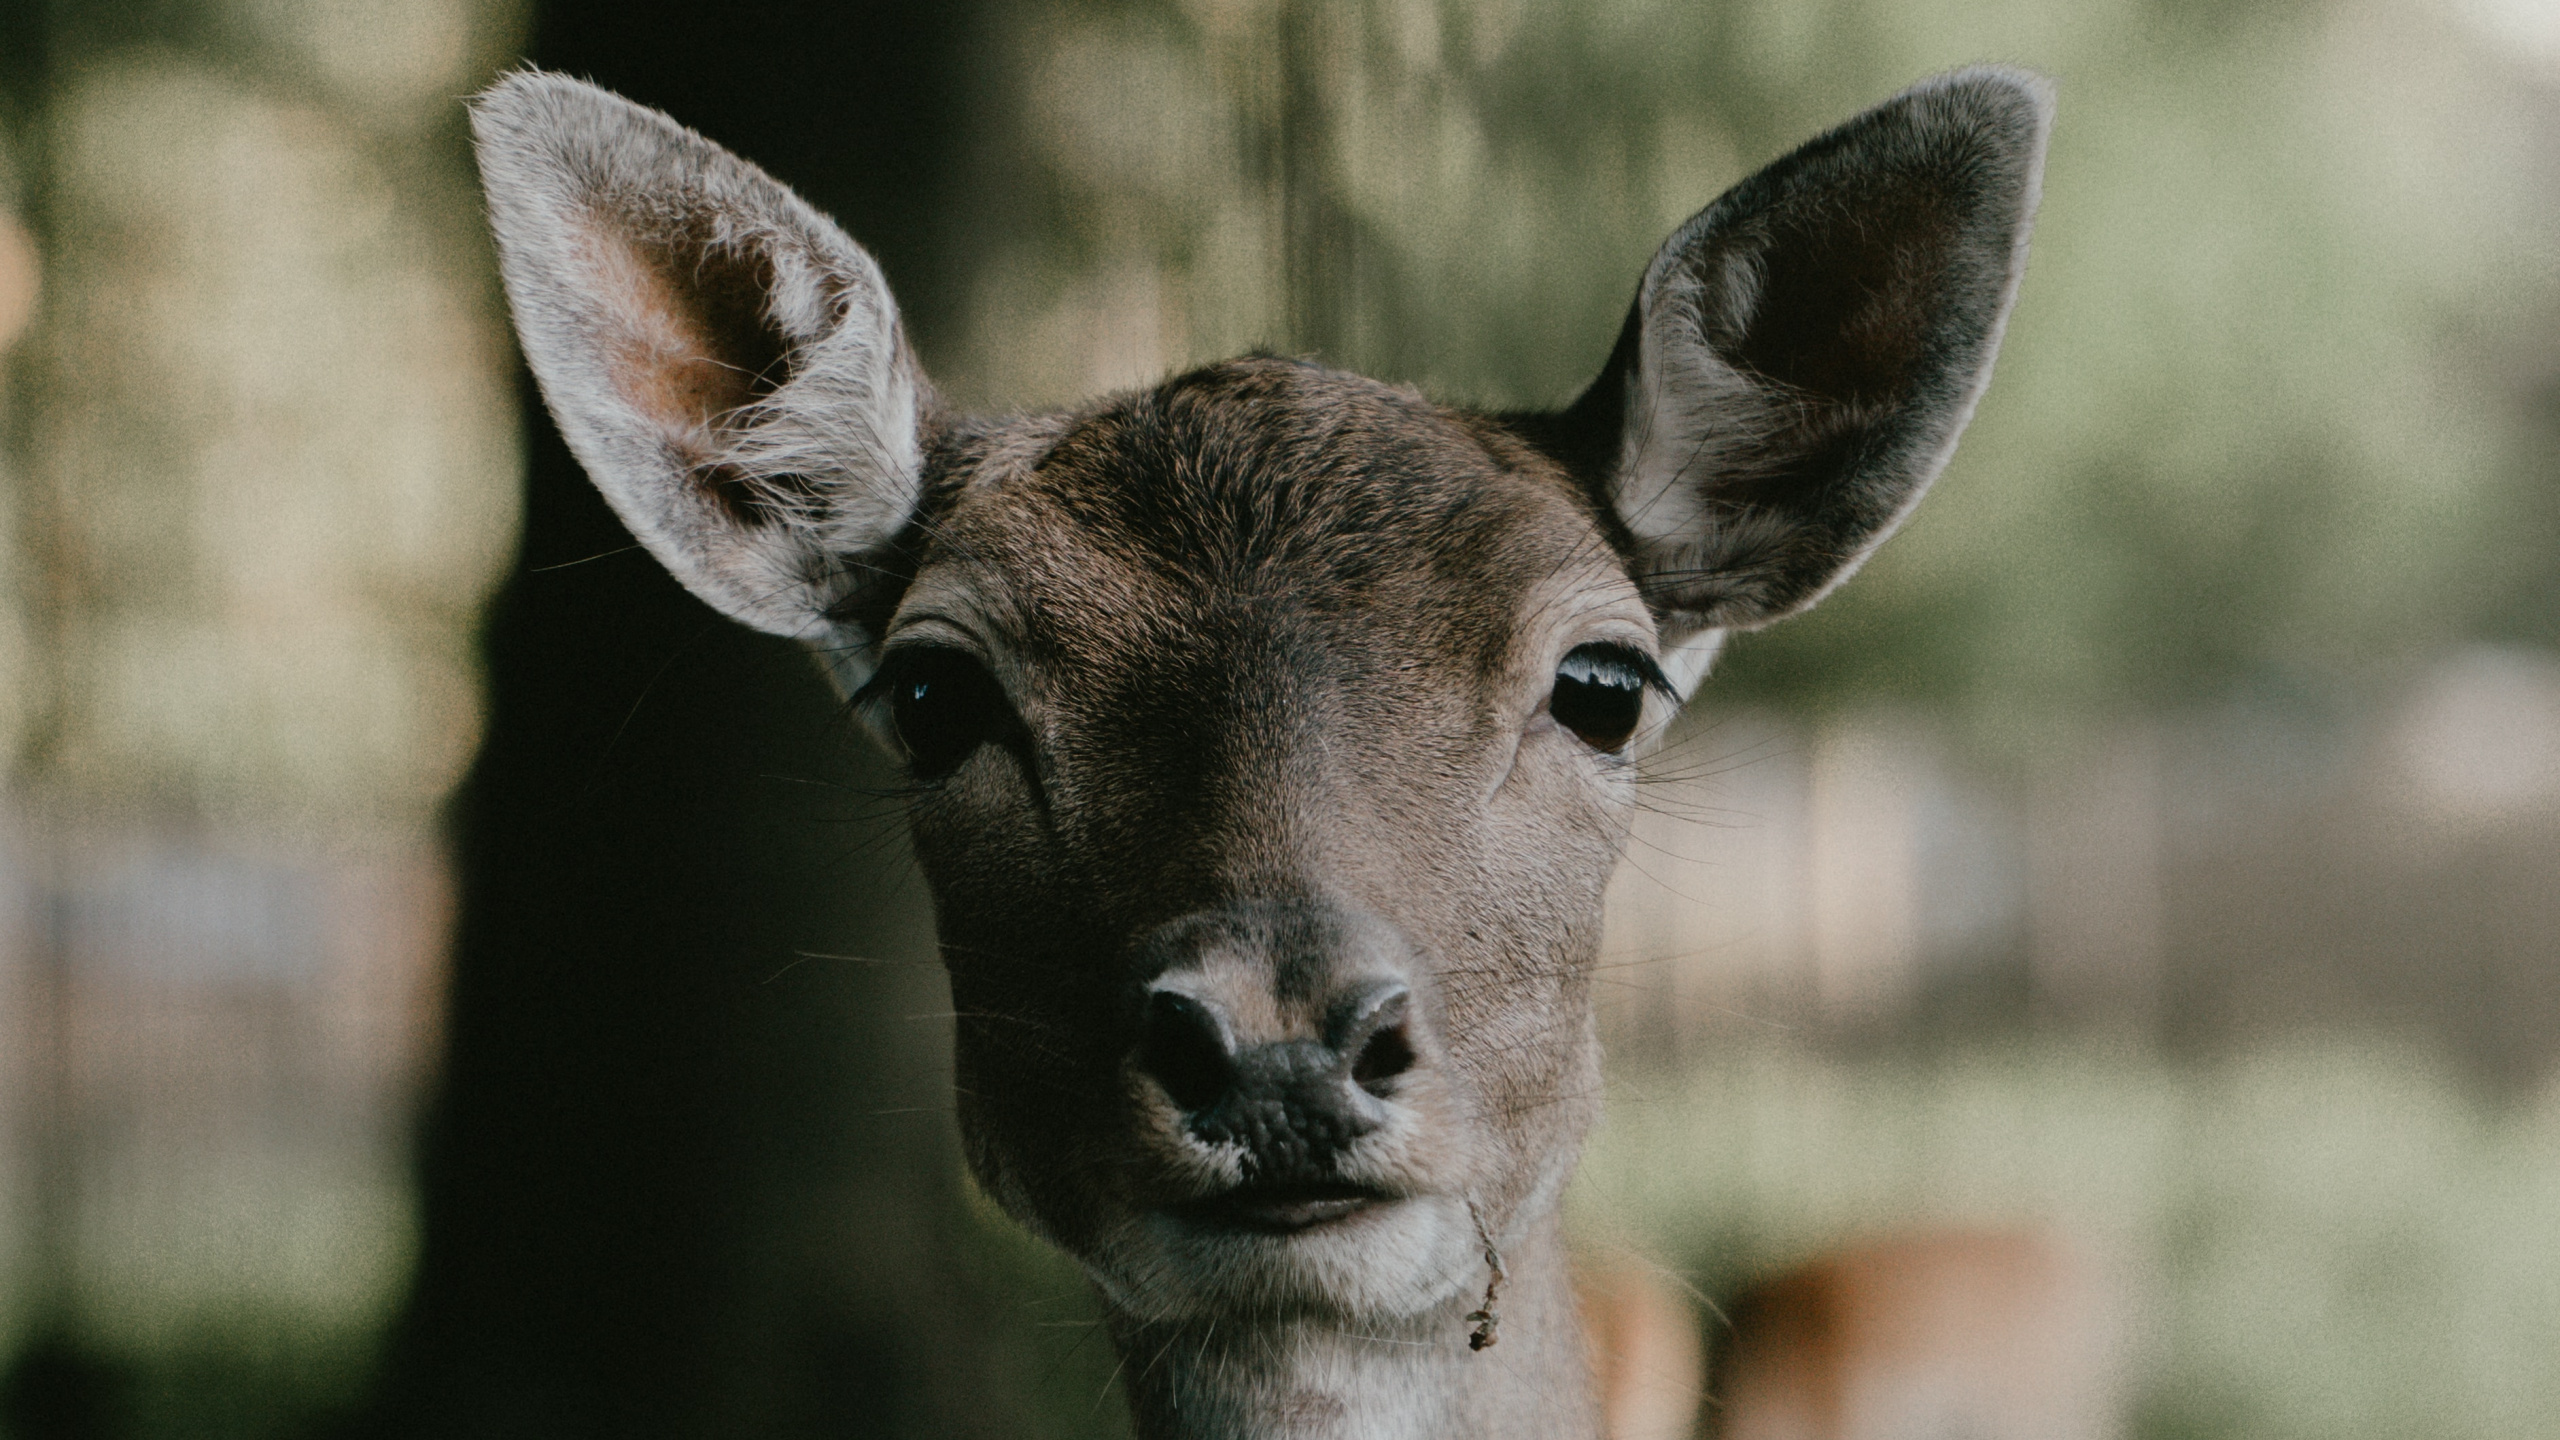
(238, 1375)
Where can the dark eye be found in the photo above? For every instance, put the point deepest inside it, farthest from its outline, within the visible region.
(1599, 694)
(944, 704)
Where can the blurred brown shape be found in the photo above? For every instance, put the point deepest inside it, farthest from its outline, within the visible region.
(1647, 1360)
(1995, 1334)
(18, 280)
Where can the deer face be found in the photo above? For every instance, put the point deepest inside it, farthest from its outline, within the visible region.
(1271, 730)
(1267, 842)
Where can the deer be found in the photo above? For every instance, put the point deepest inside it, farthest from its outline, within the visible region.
(2008, 1333)
(1271, 732)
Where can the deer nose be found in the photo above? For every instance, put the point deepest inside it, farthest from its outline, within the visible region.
(1291, 1104)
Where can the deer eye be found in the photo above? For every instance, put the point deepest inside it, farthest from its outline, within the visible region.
(944, 705)
(1599, 694)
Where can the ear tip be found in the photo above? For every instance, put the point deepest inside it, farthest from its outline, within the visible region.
(2017, 104)
(530, 86)
(514, 100)
(545, 140)
(529, 111)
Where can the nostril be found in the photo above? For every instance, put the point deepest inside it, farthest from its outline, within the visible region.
(1185, 1047)
(1388, 1054)
(1384, 1043)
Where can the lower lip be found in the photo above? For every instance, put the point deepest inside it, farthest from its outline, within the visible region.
(1283, 1217)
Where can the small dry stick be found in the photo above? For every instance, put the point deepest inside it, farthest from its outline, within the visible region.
(1486, 1320)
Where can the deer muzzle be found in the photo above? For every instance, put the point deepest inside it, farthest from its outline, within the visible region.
(1283, 1035)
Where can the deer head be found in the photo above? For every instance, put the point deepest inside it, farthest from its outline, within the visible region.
(1273, 730)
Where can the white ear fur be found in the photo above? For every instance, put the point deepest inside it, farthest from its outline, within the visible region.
(1804, 353)
(727, 365)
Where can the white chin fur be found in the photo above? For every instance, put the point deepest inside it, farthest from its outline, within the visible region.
(1394, 1261)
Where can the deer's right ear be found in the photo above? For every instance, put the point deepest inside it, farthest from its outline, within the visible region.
(1804, 352)
(727, 365)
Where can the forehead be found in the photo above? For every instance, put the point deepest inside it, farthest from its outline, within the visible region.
(1265, 488)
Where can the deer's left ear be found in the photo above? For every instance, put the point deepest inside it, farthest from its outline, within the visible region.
(1804, 352)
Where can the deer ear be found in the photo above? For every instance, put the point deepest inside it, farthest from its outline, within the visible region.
(1804, 352)
(727, 365)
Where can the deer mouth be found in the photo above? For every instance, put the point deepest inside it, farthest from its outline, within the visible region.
(1285, 1209)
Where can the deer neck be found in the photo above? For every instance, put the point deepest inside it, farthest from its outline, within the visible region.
(1415, 1379)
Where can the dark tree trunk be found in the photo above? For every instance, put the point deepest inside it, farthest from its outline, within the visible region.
(677, 1180)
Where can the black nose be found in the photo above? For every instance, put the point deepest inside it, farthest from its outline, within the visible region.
(1292, 1104)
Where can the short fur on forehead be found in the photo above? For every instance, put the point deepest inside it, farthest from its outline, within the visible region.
(1284, 469)
(1183, 532)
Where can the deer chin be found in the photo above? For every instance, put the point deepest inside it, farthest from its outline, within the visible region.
(1338, 1257)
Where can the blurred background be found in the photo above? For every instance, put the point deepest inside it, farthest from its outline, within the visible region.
(452, 985)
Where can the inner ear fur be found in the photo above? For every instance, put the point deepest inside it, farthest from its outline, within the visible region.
(725, 362)
(1803, 353)
(693, 344)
